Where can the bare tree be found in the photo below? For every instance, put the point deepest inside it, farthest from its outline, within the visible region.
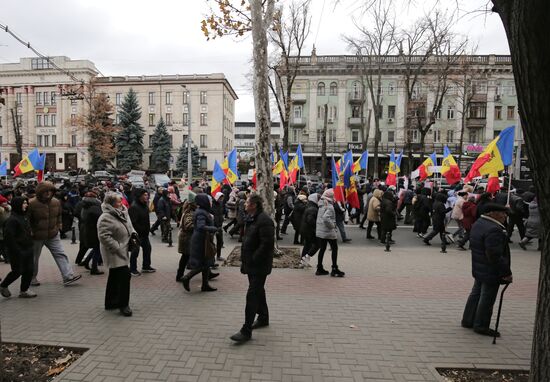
(376, 41)
(291, 28)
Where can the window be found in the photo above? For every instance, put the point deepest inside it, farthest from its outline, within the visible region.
(356, 112)
(171, 141)
(46, 140)
(168, 97)
(185, 138)
(185, 97)
(298, 110)
(356, 90)
(1, 142)
(511, 88)
(151, 98)
(40, 63)
(150, 141)
(438, 114)
(151, 119)
(472, 136)
(118, 99)
(39, 98)
(39, 140)
(391, 111)
(73, 140)
(319, 135)
(168, 119)
(53, 98)
(331, 135)
(496, 133)
(478, 110)
(333, 88)
(437, 136)
(321, 89)
(39, 120)
(332, 113)
(450, 136)
(46, 99)
(450, 112)
(73, 101)
(204, 142)
(204, 119)
(54, 140)
(320, 112)
(391, 136)
(73, 119)
(498, 112)
(0, 121)
(185, 119)
(391, 89)
(53, 119)
(412, 135)
(355, 135)
(117, 119)
(203, 98)
(511, 114)
(46, 120)
(296, 135)
(18, 99)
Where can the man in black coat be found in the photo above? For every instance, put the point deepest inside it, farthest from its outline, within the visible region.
(218, 212)
(490, 268)
(256, 262)
(139, 215)
(438, 218)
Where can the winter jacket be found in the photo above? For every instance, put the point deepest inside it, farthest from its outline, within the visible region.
(298, 214)
(17, 228)
(326, 221)
(388, 212)
(289, 202)
(439, 212)
(490, 251)
(241, 212)
(186, 228)
(66, 215)
(310, 218)
(217, 211)
(232, 205)
(469, 211)
(339, 212)
(457, 213)
(258, 245)
(89, 215)
(114, 229)
(164, 207)
(44, 214)
(532, 224)
(203, 223)
(373, 213)
(139, 214)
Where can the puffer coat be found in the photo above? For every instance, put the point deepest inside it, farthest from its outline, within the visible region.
(114, 229)
(44, 213)
(203, 223)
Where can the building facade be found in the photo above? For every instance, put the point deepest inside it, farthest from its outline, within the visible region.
(338, 83)
(36, 92)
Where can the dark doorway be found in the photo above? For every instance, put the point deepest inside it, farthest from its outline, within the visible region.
(50, 162)
(71, 161)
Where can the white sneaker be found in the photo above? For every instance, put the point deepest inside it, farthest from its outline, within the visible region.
(27, 294)
(307, 258)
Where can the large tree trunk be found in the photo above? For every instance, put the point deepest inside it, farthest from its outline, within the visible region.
(423, 144)
(285, 124)
(376, 143)
(261, 104)
(526, 25)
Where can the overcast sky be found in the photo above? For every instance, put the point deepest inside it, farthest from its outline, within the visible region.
(133, 37)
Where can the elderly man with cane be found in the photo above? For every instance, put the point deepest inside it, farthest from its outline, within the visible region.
(490, 268)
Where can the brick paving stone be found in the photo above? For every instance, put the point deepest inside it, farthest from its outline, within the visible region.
(394, 317)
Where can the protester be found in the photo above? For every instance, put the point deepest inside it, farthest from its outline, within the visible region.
(438, 219)
(469, 212)
(490, 268)
(408, 196)
(67, 216)
(326, 232)
(90, 213)
(279, 205)
(199, 260)
(422, 209)
(217, 211)
(340, 215)
(256, 263)
(288, 206)
(532, 225)
(307, 227)
(373, 214)
(139, 215)
(4, 215)
(164, 214)
(156, 198)
(296, 217)
(388, 215)
(44, 214)
(231, 206)
(20, 248)
(518, 211)
(366, 199)
(457, 214)
(185, 233)
(115, 231)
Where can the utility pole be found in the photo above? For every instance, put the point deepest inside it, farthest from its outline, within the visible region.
(189, 140)
(324, 144)
(17, 133)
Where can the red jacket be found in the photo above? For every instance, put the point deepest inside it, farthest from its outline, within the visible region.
(469, 209)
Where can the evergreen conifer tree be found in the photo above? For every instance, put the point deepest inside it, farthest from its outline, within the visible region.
(181, 162)
(160, 144)
(129, 141)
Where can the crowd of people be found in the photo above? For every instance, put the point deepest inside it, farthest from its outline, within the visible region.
(114, 227)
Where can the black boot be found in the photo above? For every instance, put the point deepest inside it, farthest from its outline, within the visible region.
(336, 272)
(205, 277)
(321, 271)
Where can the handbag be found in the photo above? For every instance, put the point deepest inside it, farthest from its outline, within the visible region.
(209, 246)
(134, 243)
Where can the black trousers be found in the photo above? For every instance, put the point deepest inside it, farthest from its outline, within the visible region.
(21, 266)
(323, 247)
(117, 294)
(286, 222)
(219, 243)
(256, 303)
(378, 229)
(311, 246)
(518, 221)
(278, 216)
(434, 232)
(184, 259)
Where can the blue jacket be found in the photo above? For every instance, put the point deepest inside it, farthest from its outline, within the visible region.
(490, 251)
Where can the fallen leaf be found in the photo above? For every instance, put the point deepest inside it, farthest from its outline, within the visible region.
(63, 360)
(55, 370)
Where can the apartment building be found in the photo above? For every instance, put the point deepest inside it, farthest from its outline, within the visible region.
(338, 82)
(245, 136)
(39, 102)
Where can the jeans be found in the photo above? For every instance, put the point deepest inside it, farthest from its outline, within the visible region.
(479, 307)
(117, 293)
(322, 248)
(342, 229)
(145, 244)
(256, 303)
(56, 249)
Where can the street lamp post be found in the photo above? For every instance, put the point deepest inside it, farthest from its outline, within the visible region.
(189, 140)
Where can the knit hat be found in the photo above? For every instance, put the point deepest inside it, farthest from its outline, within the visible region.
(191, 197)
(328, 195)
(218, 196)
(302, 197)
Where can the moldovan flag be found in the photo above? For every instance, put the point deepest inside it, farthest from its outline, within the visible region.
(391, 179)
(229, 166)
(449, 168)
(351, 190)
(280, 168)
(25, 165)
(496, 155)
(424, 168)
(4, 169)
(337, 184)
(254, 180)
(218, 176)
(361, 163)
(493, 184)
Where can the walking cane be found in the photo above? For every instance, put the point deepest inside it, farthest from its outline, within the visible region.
(499, 309)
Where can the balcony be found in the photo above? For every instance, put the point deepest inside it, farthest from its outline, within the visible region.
(356, 98)
(298, 122)
(299, 98)
(356, 121)
(476, 123)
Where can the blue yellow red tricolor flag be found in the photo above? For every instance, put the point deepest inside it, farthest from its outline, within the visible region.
(352, 196)
(496, 155)
(391, 179)
(218, 176)
(449, 168)
(361, 163)
(229, 166)
(337, 184)
(425, 169)
(27, 163)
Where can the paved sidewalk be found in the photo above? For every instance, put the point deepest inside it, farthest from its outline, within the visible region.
(394, 317)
